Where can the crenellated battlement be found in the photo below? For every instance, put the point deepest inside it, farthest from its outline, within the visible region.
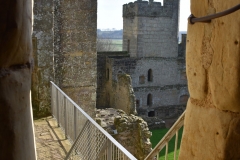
(149, 8)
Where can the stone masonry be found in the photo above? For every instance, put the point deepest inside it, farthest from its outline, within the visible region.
(155, 61)
(64, 40)
(129, 130)
(212, 121)
(75, 50)
(42, 38)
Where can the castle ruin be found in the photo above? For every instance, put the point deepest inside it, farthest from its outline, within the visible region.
(153, 59)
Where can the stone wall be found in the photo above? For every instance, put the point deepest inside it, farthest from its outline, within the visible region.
(212, 124)
(167, 86)
(101, 75)
(182, 46)
(119, 94)
(168, 81)
(75, 50)
(151, 30)
(130, 131)
(42, 38)
(65, 52)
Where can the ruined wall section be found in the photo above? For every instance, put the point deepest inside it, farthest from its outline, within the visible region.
(75, 50)
(168, 88)
(42, 38)
(130, 131)
(123, 94)
(102, 74)
(150, 29)
(118, 91)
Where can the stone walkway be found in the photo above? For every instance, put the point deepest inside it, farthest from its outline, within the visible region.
(50, 141)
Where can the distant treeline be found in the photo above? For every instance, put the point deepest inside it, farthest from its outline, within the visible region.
(118, 34)
(113, 34)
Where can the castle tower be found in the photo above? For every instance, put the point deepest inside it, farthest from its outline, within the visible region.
(150, 29)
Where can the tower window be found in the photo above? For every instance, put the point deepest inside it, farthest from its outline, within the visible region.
(141, 79)
(107, 74)
(149, 100)
(151, 114)
(137, 103)
(128, 46)
(150, 75)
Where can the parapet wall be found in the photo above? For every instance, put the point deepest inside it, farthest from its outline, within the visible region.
(148, 9)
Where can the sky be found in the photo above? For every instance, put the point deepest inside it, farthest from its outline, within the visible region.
(110, 13)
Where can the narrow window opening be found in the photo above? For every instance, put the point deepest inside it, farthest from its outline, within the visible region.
(149, 100)
(128, 46)
(137, 103)
(150, 75)
(107, 74)
(141, 79)
(151, 114)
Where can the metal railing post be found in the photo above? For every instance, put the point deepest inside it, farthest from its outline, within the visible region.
(175, 148)
(109, 150)
(65, 117)
(86, 144)
(52, 99)
(75, 123)
(57, 107)
(165, 140)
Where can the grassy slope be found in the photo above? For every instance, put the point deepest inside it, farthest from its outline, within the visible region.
(157, 135)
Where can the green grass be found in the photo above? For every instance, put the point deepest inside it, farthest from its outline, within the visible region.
(117, 41)
(118, 44)
(157, 135)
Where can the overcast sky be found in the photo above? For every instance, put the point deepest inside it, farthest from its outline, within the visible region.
(110, 13)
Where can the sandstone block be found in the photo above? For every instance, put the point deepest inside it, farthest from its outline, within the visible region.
(210, 133)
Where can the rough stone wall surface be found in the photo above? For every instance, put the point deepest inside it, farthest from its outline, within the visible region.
(120, 94)
(167, 87)
(182, 46)
(160, 96)
(148, 32)
(75, 65)
(130, 36)
(16, 63)
(43, 56)
(130, 131)
(212, 122)
(101, 74)
(167, 84)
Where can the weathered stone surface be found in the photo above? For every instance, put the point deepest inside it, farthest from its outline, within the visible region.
(16, 129)
(75, 50)
(212, 59)
(150, 30)
(120, 94)
(42, 38)
(210, 133)
(130, 131)
(213, 69)
(65, 52)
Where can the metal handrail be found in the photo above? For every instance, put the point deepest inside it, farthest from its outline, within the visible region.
(164, 141)
(207, 19)
(59, 111)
